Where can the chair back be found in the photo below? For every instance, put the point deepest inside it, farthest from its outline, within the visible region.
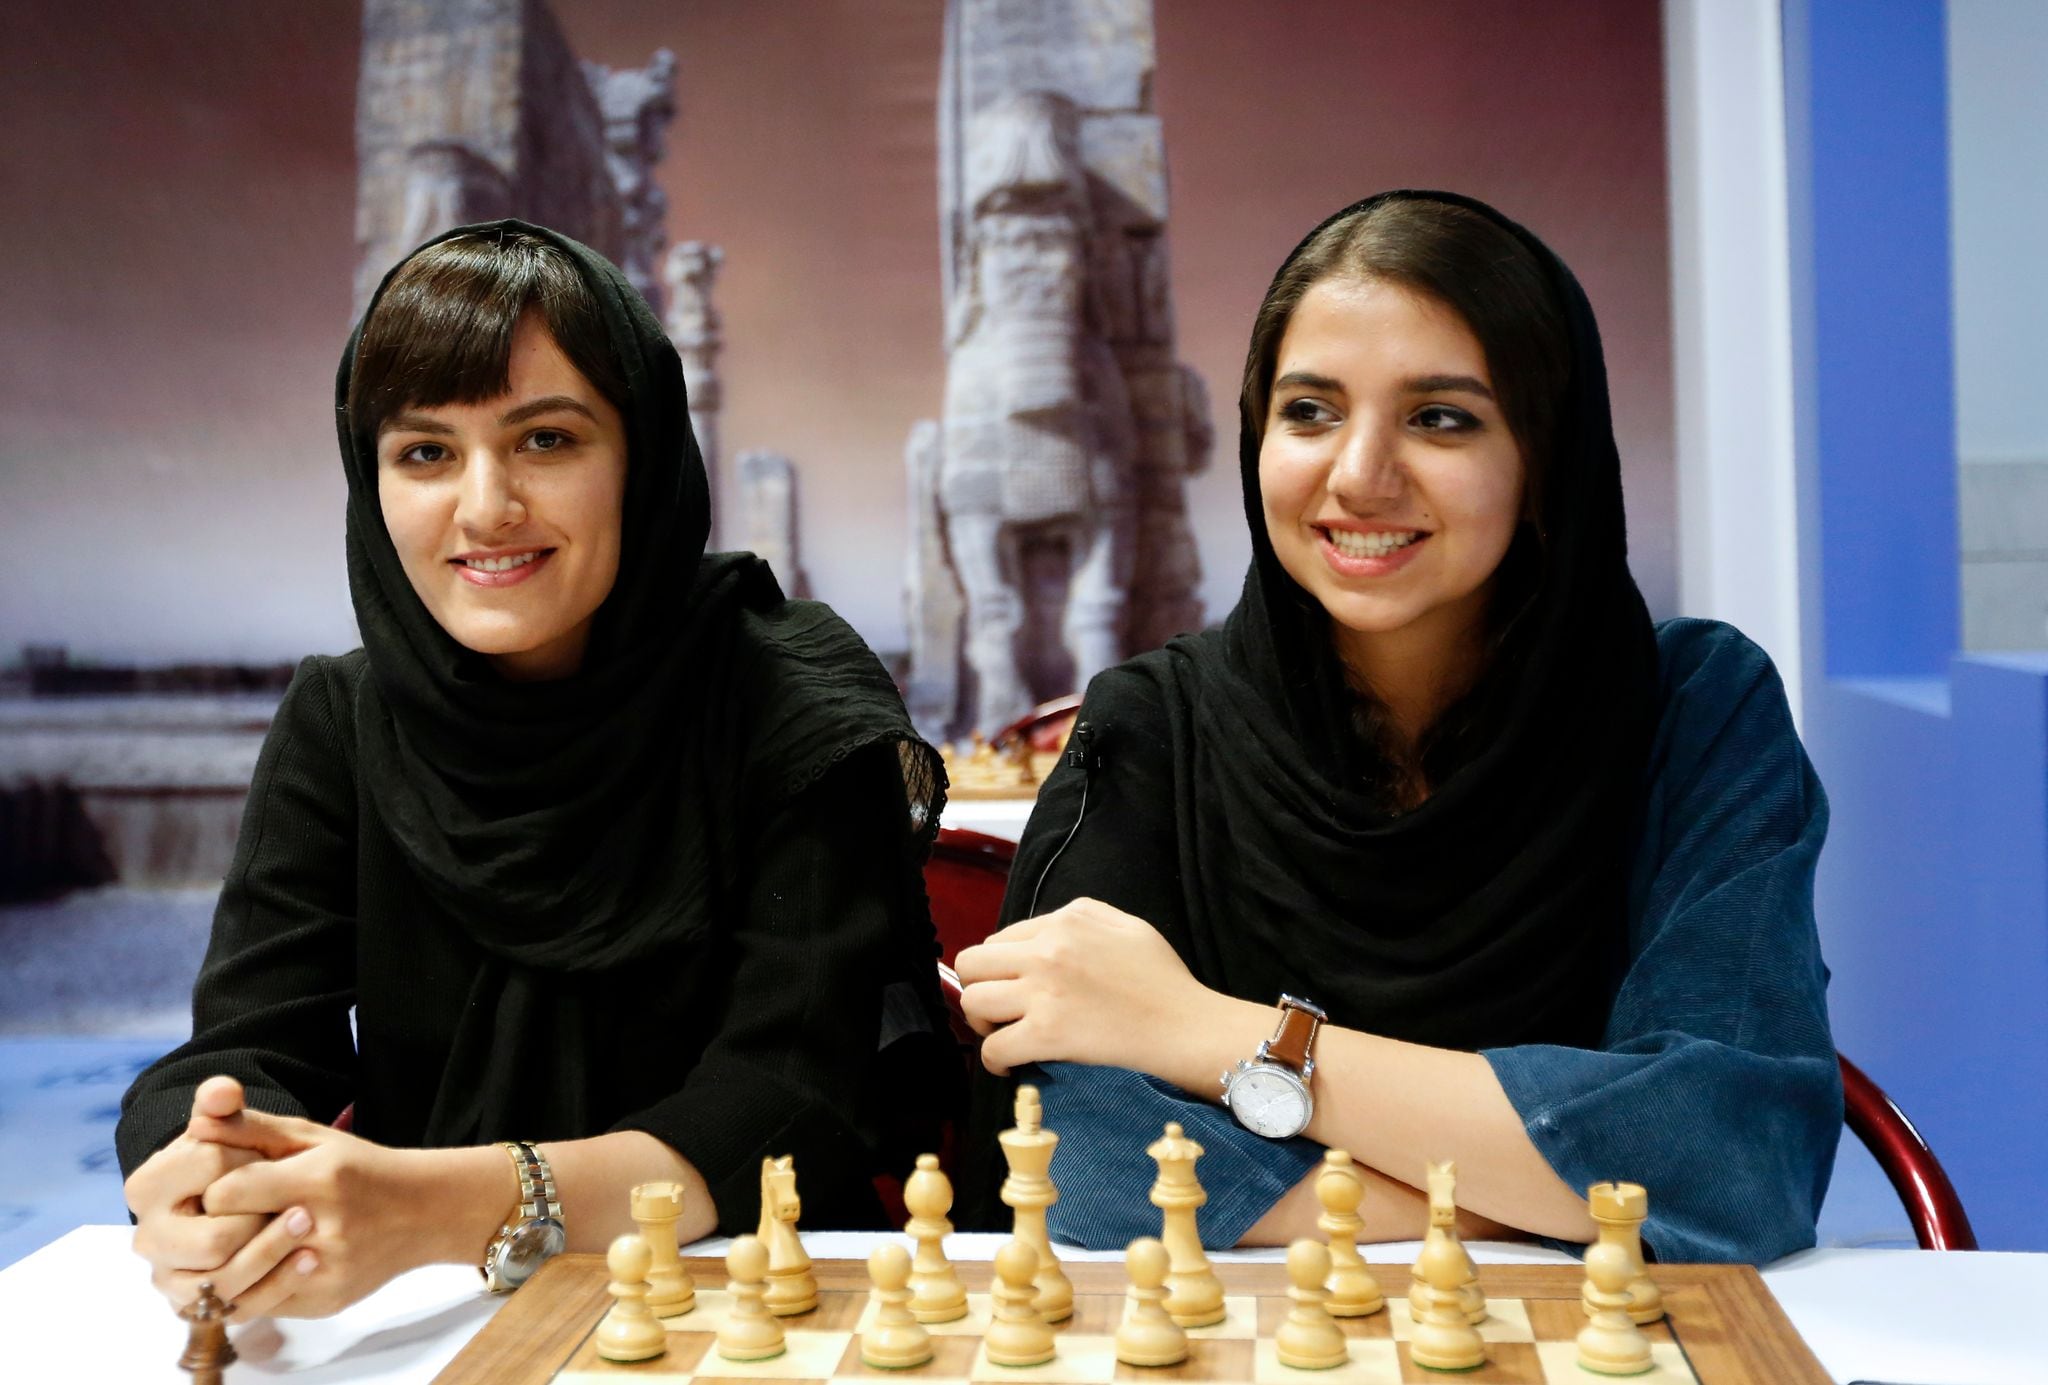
(1939, 1221)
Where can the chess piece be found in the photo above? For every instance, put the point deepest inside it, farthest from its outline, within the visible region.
(1148, 1335)
(1611, 1344)
(656, 1208)
(1354, 1293)
(895, 1340)
(1018, 1336)
(1443, 1185)
(1444, 1337)
(749, 1332)
(1619, 1209)
(792, 1288)
(1028, 1191)
(1195, 1297)
(1310, 1339)
(630, 1331)
(208, 1352)
(935, 1291)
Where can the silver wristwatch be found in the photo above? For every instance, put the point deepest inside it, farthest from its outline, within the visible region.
(533, 1234)
(1269, 1092)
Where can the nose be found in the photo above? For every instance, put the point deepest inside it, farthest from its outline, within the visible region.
(489, 500)
(1368, 470)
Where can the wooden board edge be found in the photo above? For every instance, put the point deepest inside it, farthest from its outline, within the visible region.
(558, 1307)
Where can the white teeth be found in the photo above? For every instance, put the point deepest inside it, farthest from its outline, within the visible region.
(500, 564)
(1375, 545)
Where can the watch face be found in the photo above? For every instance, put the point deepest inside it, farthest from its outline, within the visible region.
(1270, 1102)
(533, 1243)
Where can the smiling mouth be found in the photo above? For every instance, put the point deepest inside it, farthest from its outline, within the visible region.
(506, 563)
(1377, 544)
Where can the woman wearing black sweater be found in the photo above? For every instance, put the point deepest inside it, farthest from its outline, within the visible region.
(595, 865)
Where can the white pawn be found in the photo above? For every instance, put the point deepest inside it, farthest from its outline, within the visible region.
(936, 1294)
(1444, 1338)
(1354, 1293)
(1148, 1335)
(1611, 1344)
(895, 1340)
(749, 1332)
(1310, 1339)
(630, 1331)
(1018, 1336)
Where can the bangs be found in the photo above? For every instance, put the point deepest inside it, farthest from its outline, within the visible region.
(441, 332)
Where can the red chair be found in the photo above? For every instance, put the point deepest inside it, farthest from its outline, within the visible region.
(1939, 1221)
(1045, 725)
(967, 874)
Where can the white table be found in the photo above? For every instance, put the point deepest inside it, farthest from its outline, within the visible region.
(81, 1310)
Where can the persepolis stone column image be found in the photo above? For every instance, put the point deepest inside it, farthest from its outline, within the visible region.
(697, 331)
(768, 506)
(1067, 427)
(468, 110)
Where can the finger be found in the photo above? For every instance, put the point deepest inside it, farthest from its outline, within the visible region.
(1000, 958)
(218, 1098)
(194, 1243)
(273, 1292)
(276, 1240)
(988, 1004)
(268, 1186)
(272, 1137)
(177, 1174)
(1009, 1047)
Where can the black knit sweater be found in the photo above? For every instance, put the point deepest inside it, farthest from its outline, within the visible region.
(764, 1044)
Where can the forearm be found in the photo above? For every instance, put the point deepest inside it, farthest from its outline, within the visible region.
(466, 1195)
(1395, 1106)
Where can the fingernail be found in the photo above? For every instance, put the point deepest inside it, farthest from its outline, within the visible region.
(307, 1263)
(297, 1222)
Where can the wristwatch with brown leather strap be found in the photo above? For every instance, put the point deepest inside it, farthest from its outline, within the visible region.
(1269, 1092)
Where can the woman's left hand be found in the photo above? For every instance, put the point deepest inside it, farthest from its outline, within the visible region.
(376, 1212)
(1086, 983)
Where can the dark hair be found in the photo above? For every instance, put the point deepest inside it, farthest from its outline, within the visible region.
(441, 332)
(1496, 283)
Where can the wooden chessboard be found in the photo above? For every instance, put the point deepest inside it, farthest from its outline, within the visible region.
(1722, 1328)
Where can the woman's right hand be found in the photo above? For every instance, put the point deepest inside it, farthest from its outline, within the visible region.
(247, 1258)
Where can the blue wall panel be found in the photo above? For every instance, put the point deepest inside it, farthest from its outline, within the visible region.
(1933, 890)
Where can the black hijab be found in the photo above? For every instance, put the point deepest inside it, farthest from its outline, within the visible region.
(1493, 913)
(606, 818)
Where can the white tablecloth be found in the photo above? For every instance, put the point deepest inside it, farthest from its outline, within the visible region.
(81, 1310)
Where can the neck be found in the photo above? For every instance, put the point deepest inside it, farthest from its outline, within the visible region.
(1419, 670)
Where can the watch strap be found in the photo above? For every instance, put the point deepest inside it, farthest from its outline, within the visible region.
(1294, 1040)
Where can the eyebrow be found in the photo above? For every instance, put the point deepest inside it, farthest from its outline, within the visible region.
(1419, 384)
(407, 421)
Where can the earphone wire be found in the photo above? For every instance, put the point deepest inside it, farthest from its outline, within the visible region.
(1085, 759)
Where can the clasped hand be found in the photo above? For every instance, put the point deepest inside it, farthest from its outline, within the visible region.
(1086, 983)
(284, 1217)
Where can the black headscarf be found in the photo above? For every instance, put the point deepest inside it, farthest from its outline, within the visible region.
(1492, 914)
(605, 818)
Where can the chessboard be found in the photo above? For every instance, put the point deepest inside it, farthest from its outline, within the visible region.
(1721, 1327)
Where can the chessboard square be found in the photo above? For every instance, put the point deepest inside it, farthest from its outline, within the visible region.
(837, 1311)
(807, 1356)
(1507, 1363)
(1507, 1320)
(1095, 1315)
(1079, 1360)
(1216, 1358)
(1561, 1364)
(1559, 1320)
(1371, 1363)
(980, 1313)
(952, 1359)
(1376, 1327)
(1240, 1320)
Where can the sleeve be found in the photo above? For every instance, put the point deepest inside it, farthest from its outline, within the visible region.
(789, 1068)
(271, 1005)
(1717, 1086)
(1105, 1179)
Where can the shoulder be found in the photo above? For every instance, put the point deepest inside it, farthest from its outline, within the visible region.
(321, 702)
(1723, 721)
